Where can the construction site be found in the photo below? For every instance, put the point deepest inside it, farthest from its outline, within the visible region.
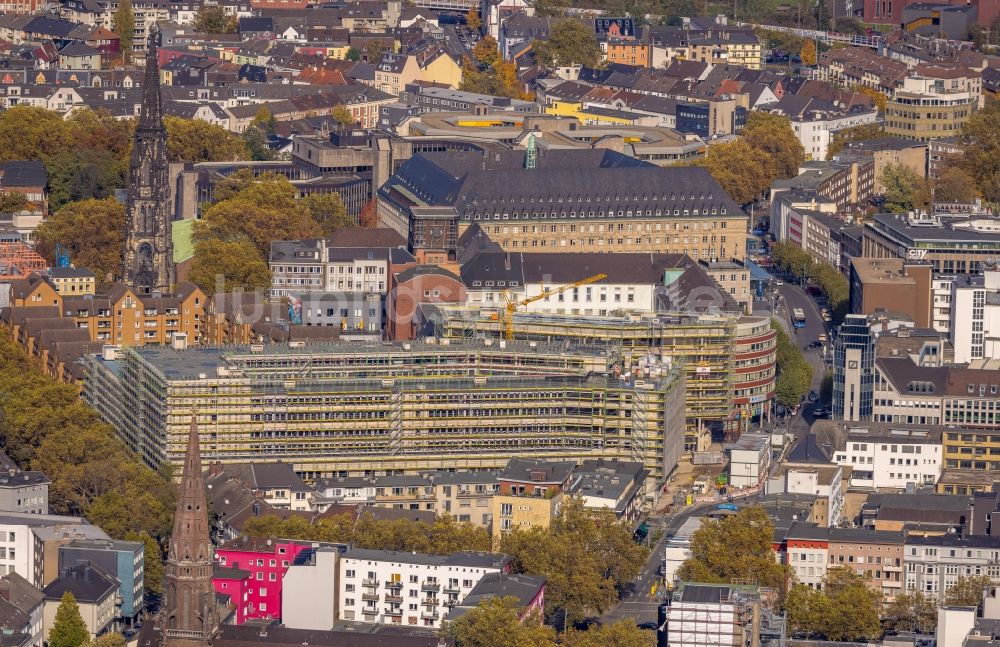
(723, 615)
(703, 343)
(365, 409)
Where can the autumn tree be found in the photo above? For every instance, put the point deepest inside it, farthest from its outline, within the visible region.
(496, 623)
(12, 202)
(954, 185)
(369, 215)
(736, 546)
(195, 140)
(879, 98)
(910, 612)
(221, 266)
(68, 629)
(623, 633)
(904, 188)
(342, 115)
(472, 20)
(110, 639)
(967, 591)
(329, 212)
(845, 609)
(31, 133)
(773, 134)
(587, 559)
(741, 170)
(212, 19)
(570, 42)
(487, 51)
(808, 53)
(92, 231)
(123, 24)
(981, 140)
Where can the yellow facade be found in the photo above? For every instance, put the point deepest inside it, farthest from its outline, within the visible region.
(442, 69)
(511, 512)
(75, 285)
(338, 52)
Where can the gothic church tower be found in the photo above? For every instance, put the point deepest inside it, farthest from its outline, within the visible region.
(148, 264)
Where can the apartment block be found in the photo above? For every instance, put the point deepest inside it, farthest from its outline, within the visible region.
(934, 563)
(891, 457)
(408, 588)
(265, 560)
(529, 495)
(125, 560)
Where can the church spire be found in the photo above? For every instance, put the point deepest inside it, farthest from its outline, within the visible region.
(151, 114)
(189, 606)
(147, 262)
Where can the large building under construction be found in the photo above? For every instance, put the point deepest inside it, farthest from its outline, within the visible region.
(391, 407)
(728, 359)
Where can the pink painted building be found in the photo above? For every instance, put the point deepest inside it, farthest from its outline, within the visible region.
(234, 582)
(266, 561)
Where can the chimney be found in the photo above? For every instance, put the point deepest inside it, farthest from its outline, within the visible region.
(506, 266)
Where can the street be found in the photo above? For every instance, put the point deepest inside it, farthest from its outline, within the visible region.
(794, 297)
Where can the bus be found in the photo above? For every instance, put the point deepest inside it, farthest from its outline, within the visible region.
(798, 318)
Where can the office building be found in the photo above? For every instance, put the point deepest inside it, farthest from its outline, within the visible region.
(935, 562)
(892, 285)
(952, 244)
(889, 457)
(933, 102)
(853, 359)
(388, 407)
(712, 614)
(122, 559)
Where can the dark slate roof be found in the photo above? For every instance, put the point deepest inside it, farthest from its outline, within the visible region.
(256, 24)
(267, 475)
(480, 186)
(367, 635)
(705, 593)
(411, 273)
(529, 470)
(50, 27)
(524, 588)
(24, 173)
(87, 582)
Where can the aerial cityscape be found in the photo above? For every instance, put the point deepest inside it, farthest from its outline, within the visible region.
(499, 323)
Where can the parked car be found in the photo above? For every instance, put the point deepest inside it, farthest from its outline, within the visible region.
(821, 412)
(815, 344)
(813, 396)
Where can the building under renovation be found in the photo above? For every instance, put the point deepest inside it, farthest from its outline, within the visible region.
(390, 407)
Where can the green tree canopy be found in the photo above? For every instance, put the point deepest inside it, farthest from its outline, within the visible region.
(194, 140)
(92, 231)
(110, 639)
(213, 19)
(123, 24)
(910, 612)
(342, 115)
(773, 134)
(735, 547)
(587, 559)
(623, 633)
(955, 185)
(228, 266)
(904, 188)
(329, 212)
(570, 41)
(846, 609)
(967, 591)
(68, 630)
(496, 623)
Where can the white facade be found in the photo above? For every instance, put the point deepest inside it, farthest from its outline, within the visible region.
(941, 287)
(891, 462)
(933, 564)
(702, 615)
(598, 299)
(815, 134)
(309, 592)
(20, 551)
(975, 317)
(389, 587)
(954, 626)
(749, 459)
(823, 482)
(808, 560)
(678, 547)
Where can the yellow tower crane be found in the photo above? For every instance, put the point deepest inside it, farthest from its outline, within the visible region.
(508, 312)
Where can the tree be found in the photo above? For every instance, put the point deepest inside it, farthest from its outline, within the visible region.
(257, 133)
(911, 612)
(743, 171)
(194, 140)
(954, 185)
(473, 21)
(826, 386)
(329, 212)
(68, 630)
(123, 24)
(736, 546)
(857, 134)
(808, 53)
(904, 188)
(550, 8)
(353, 54)
(773, 134)
(369, 215)
(967, 591)
(92, 231)
(981, 140)
(342, 115)
(374, 50)
(30, 133)
(214, 20)
(570, 42)
(111, 639)
(226, 266)
(879, 98)
(12, 202)
(846, 609)
(587, 559)
(487, 51)
(623, 633)
(496, 623)
(263, 212)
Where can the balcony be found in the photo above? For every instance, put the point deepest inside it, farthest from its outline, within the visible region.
(389, 611)
(395, 599)
(372, 583)
(370, 611)
(429, 615)
(370, 597)
(451, 588)
(430, 602)
(430, 586)
(394, 585)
